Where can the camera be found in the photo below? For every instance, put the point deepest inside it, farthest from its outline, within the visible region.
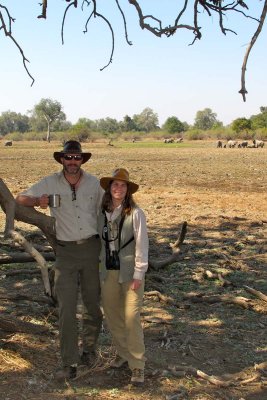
(113, 261)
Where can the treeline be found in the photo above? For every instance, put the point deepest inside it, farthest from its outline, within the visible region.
(47, 121)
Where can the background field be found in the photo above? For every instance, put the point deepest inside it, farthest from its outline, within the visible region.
(221, 193)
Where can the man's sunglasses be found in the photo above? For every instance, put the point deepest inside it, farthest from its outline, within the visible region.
(77, 157)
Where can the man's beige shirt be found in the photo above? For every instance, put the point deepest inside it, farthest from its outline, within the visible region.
(75, 219)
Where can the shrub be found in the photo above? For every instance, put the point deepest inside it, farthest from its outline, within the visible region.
(195, 134)
(261, 134)
(14, 136)
(34, 136)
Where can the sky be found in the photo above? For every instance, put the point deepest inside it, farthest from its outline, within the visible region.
(166, 74)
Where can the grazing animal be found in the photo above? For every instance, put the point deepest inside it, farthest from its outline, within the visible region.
(244, 143)
(232, 143)
(258, 143)
(179, 140)
(8, 143)
(219, 144)
(168, 140)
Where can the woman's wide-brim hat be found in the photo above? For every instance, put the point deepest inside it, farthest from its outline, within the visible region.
(71, 147)
(119, 174)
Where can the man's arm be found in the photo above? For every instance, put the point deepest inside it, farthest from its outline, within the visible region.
(30, 201)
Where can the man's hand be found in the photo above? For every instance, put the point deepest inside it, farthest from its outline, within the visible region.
(136, 283)
(42, 201)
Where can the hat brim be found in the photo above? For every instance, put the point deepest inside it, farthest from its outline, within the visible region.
(105, 182)
(59, 154)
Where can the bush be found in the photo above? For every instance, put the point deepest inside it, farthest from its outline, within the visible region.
(14, 136)
(246, 134)
(195, 134)
(229, 134)
(34, 136)
(130, 135)
(261, 134)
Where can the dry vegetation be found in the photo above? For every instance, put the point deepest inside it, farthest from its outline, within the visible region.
(198, 313)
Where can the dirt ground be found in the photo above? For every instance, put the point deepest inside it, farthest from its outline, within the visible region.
(201, 321)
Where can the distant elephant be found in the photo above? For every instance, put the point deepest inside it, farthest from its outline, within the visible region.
(168, 140)
(258, 143)
(232, 143)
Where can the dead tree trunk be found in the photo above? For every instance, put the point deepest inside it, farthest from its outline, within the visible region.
(31, 216)
(25, 214)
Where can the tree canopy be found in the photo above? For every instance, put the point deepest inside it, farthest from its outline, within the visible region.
(173, 125)
(188, 17)
(241, 124)
(206, 119)
(51, 111)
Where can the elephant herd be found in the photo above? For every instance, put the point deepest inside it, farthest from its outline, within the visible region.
(171, 140)
(234, 143)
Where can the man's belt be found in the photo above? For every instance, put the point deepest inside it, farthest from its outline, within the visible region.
(82, 241)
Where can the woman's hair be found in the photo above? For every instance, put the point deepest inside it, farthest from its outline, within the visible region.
(127, 205)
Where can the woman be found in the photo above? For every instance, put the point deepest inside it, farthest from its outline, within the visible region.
(124, 261)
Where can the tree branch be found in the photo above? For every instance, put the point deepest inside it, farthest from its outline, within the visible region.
(176, 249)
(154, 25)
(8, 33)
(243, 89)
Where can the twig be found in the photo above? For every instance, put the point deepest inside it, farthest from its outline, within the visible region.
(256, 293)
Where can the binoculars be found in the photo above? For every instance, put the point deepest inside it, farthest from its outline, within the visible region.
(113, 260)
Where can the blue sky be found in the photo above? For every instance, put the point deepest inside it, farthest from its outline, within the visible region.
(164, 74)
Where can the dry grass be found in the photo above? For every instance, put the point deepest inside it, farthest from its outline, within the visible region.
(221, 193)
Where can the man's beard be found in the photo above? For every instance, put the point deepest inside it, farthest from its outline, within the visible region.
(72, 169)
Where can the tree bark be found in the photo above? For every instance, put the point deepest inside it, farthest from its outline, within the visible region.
(12, 258)
(26, 214)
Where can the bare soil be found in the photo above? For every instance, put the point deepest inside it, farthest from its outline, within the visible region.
(197, 312)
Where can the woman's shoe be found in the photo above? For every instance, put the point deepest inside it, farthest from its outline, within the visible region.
(138, 377)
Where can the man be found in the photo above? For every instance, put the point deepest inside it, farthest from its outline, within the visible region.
(77, 251)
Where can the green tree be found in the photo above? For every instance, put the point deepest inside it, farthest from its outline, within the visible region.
(241, 124)
(50, 111)
(205, 119)
(107, 125)
(11, 121)
(259, 120)
(128, 124)
(173, 125)
(88, 123)
(146, 121)
(83, 128)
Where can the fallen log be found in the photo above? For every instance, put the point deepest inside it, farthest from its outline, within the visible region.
(11, 324)
(176, 250)
(256, 293)
(22, 271)
(161, 297)
(226, 298)
(21, 297)
(16, 257)
(198, 373)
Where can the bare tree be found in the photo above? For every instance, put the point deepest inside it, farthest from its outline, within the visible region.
(188, 17)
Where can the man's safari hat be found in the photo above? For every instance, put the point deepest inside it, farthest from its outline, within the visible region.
(71, 147)
(119, 174)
